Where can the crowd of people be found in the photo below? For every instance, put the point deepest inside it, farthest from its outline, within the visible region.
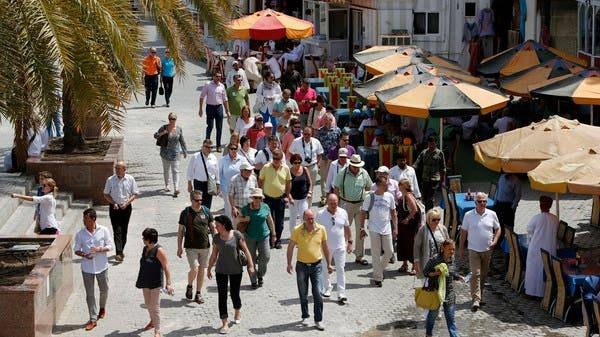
(279, 151)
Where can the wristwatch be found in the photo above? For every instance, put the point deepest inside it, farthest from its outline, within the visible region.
(350, 241)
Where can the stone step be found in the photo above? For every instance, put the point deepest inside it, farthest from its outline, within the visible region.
(12, 183)
(19, 221)
(73, 219)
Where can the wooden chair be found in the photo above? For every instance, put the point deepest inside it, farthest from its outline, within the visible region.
(493, 187)
(569, 237)
(447, 208)
(549, 282)
(562, 228)
(511, 256)
(597, 313)
(455, 183)
(386, 155)
(453, 229)
(519, 273)
(564, 301)
(369, 135)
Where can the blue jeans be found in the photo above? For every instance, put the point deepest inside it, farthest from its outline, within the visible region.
(55, 125)
(304, 272)
(448, 313)
(267, 117)
(214, 115)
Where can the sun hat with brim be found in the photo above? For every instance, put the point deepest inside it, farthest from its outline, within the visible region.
(246, 166)
(383, 169)
(256, 192)
(343, 152)
(356, 161)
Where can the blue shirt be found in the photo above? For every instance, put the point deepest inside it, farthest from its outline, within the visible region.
(508, 189)
(168, 67)
(227, 169)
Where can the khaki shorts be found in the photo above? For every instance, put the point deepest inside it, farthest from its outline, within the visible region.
(197, 257)
(232, 120)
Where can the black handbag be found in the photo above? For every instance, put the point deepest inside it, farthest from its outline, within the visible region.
(162, 140)
(161, 90)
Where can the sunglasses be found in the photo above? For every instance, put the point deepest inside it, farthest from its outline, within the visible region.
(152, 52)
(206, 146)
(256, 198)
(172, 119)
(481, 201)
(435, 220)
(276, 158)
(297, 163)
(233, 149)
(197, 200)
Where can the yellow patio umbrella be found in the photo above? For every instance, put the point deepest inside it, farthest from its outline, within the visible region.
(379, 60)
(406, 75)
(521, 83)
(576, 172)
(522, 150)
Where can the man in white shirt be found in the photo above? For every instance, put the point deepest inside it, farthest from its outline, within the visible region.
(119, 191)
(265, 156)
(229, 81)
(295, 55)
(404, 171)
(203, 165)
(216, 101)
(273, 65)
(481, 228)
(339, 238)
(92, 244)
(392, 184)
(379, 208)
(335, 167)
(311, 151)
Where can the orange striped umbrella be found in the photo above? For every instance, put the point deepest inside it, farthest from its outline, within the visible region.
(270, 25)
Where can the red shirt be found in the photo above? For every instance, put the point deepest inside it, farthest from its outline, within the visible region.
(254, 134)
(301, 96)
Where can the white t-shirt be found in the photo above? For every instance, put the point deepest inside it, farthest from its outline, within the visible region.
(334, 225)
(261, 158)
(379, 217)
(310, 150)
(409, 173)
(480, 229)
(47, 208)
(242, 127)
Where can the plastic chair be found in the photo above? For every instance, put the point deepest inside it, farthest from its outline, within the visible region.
(569, 237)
(511, 256)
(518, 276)
(564, 301)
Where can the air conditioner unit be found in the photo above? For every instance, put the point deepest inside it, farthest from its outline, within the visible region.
(395, 40)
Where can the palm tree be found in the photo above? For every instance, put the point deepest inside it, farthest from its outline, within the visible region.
(90, 52)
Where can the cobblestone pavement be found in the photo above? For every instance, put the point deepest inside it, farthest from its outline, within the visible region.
(274, 309)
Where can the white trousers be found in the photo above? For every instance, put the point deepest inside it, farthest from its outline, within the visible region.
(296, 211)
(173, 165)
(339, 259)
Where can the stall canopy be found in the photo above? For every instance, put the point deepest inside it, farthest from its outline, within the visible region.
(577, 172)
(583, 88)
(405, 75)
(521, 57)
(270, 25)
(521, 83)
(522, 150)
(383, 59)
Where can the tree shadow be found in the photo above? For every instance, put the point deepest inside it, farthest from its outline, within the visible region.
(60, 329)
(118, 333)
(186, 331)
(292, 301)
(168, 235)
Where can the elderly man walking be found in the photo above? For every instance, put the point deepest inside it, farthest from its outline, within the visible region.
(433, 165)
(152, 67)
(339, 238)
(311, 239)
(195, 226)
(481, 228)
(119, 191)
(276, 181)
(240, 189)
(311, 152)
(351, 185)
(328, 135)
(92, 243)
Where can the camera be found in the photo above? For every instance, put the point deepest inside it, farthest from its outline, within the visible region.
(308, 160)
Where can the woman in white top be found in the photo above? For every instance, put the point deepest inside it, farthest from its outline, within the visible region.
(47, 204)
(244, 122)
(316, 113)
(245, 151)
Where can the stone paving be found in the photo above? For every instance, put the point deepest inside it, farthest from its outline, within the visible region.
(274, 309)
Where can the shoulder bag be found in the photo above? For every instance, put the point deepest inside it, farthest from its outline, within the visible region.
(242, 258)
(426, 297)
(210, 179)
(162, 140)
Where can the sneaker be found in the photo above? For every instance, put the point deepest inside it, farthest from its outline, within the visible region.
(119, 257)
(167, 105)
(278, 245)
(260, 282)
(378, 284)
(101, 313)
(327, 293)
(153, 106)
(189, 292)
(475, 307)
(90, 325)
(198, 298)
(147, 102)
(361, 262)
(342, 299)
(320, 326)
(305, 322)
(392, 259)
(254, 285)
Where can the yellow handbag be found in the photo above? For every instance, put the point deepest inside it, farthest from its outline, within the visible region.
(426, 298)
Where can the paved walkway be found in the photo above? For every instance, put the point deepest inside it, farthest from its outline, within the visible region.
(273, 310)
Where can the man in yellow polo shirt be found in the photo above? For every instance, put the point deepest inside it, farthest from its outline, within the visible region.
(276, 181)
(311, 239)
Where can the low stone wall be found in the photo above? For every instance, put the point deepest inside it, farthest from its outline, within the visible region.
(32, 308)
(83, 177)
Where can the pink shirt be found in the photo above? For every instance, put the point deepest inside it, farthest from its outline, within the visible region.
(301, 96)
(214, 93)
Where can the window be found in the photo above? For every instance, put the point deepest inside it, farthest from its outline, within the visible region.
(426, 23)
(469, 9)
(338, 24)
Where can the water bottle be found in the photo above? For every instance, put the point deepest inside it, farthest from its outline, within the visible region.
(166, 291)
(467, 277)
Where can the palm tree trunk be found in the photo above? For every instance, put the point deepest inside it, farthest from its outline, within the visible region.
(73, 137)
(21, 145)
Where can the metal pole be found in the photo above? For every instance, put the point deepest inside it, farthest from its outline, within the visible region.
(442, 133)
(557, 205)
(591, 114)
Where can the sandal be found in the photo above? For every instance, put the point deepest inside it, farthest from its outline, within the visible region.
(403, 269)
(412, 272)
(149, 326)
